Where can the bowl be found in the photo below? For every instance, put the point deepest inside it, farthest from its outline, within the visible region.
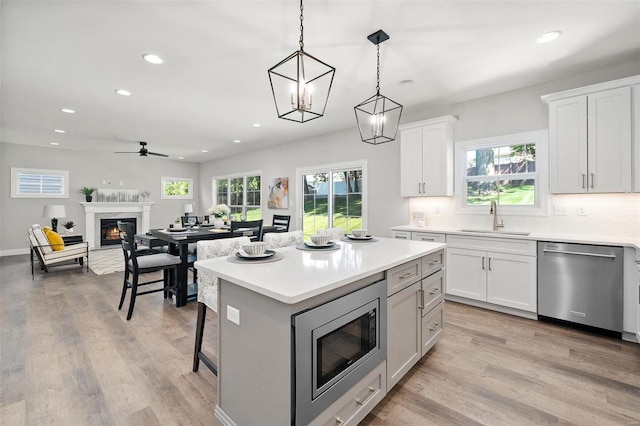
(320, 240)
(359, 233)
(255, 248)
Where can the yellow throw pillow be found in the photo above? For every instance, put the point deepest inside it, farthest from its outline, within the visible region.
(55, 240)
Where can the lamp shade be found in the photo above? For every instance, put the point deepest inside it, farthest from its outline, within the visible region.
(187, 208)
(53, 211)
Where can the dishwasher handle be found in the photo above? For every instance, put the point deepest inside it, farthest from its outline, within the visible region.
(580, 253)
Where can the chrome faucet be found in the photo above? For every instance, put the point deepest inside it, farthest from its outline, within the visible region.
(494, 212)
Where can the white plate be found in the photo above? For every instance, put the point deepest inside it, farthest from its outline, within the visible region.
(244, 254)
(353, 237)
(314, 245)
(177, 229)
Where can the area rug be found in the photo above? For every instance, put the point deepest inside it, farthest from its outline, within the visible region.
(106, 261)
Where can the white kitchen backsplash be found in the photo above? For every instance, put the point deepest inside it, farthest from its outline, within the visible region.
(604, 214)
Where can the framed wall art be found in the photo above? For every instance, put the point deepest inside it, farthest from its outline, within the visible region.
(278, 193)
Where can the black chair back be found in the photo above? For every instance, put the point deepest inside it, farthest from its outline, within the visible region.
(127, 238)
(281, 222)
(249, 228)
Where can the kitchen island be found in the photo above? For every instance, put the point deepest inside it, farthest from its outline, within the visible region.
(257, 306)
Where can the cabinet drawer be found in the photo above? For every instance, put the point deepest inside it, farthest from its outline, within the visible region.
(432, 263)
(401, 235)
(354, 405)
(427, 236)
(403, 276)
(433, 288)
(432, 327)
(502, 245)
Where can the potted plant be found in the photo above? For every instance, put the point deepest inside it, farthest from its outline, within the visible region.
(69, 226)
(88, 192)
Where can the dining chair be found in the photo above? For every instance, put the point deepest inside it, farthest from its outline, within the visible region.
(333, 233)
(283, 239)
(208, 291)
(281, 222)
(137, 265)
(249, 228)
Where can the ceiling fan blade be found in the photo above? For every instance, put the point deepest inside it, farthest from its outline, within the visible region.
(159, 155)
(126, 152)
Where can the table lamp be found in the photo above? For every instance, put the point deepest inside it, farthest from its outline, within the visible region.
(53, 212)
(186, 209)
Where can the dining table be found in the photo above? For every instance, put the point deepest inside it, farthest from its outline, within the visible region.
(179, 241)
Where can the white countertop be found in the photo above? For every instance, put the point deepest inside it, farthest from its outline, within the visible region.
(303, 274)
(537, 236)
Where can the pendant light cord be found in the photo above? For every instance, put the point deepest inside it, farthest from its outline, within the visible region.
(378, 76)
(301, 27)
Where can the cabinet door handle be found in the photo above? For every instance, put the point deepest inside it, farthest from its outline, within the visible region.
(489, 263)
(426, 239)
(592, 179)
(583, 176)
(421, 304)
(435, 327)
(419, 191)
(424, 189)
(401, 237)
(372, 391)
(483, 263)
(339, 421)
(434, 291)
(406, 275)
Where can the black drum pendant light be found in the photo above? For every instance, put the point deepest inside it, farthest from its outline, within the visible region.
(301, 84)
(378, 117)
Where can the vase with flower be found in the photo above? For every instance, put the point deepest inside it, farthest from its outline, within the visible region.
(218, 212)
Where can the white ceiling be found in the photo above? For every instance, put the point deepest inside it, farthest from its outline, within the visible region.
(214, 84)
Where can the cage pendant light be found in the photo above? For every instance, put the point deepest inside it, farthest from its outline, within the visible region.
(301, 84)
(378, 117)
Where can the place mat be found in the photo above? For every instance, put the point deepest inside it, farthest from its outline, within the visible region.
(235, 259)
(219, 231)
(329, 248)
(349, 240)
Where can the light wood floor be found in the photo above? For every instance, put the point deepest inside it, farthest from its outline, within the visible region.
(69, 357)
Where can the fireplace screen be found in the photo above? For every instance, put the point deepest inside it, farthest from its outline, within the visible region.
(109, 233)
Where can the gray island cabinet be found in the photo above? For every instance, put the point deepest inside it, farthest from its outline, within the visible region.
(271, 371)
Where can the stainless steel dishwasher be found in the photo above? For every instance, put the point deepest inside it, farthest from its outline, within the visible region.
(581, 283)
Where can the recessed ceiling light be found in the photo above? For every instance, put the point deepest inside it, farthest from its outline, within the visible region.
(60, 131)
(123, 92)
(547, 37)
(153, 59)
(406, 82)
(68, 111)
(204, 150)
(54, 143)
(180, 158)
(256, 124)
(236, 141)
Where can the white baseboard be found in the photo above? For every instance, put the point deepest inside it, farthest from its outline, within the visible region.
(14, 252)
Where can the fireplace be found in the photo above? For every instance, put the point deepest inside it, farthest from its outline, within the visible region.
(109, 234)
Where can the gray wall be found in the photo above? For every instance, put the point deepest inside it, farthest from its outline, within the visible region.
(85, 169)
(385, 206)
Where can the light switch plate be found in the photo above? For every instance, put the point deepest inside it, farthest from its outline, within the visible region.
(582, 211)
(233, 315)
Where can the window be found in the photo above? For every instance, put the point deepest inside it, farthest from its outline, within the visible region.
(241, 194)
(176, 188)
(504, 169)
(333, 196)
(39, 183)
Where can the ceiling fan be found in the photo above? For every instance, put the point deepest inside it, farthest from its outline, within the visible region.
(143, 151)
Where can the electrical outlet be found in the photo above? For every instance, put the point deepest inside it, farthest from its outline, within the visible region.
(560, 210)
(582, 211)
(233, 315)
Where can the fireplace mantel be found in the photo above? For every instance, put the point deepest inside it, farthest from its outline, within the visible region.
(90, 210)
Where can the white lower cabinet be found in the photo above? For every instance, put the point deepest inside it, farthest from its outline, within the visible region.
(493, 276)
(415, 313)
(401, 235)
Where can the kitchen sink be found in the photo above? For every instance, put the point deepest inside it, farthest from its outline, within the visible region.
(490, 232)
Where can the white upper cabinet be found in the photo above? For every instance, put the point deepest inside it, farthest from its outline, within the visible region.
(590, 139)
(635, 94)
(426, 160)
